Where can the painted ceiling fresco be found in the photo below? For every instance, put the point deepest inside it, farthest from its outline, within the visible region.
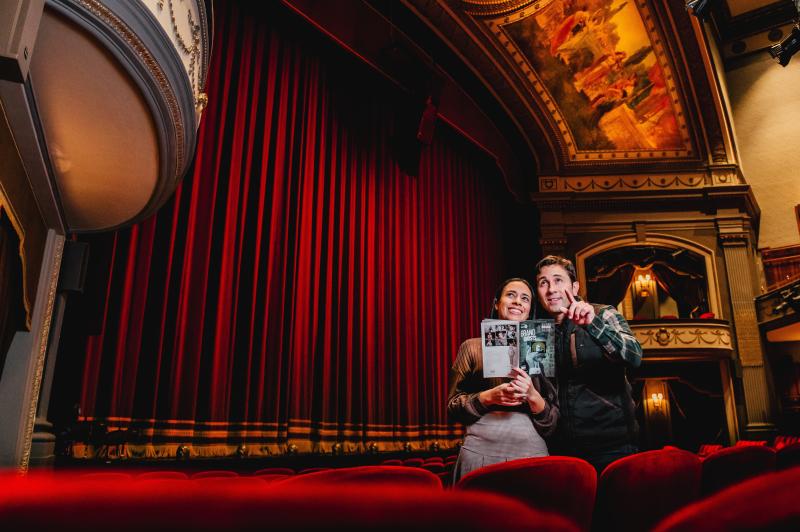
(601, 71)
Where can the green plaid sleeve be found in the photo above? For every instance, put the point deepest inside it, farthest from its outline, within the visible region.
(614, 334)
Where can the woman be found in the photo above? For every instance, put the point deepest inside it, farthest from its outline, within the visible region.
(505, 418)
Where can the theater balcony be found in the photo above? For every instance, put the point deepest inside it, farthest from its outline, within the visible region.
(778, 314)
(684, 339)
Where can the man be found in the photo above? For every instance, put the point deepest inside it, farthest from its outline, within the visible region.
(594, 346)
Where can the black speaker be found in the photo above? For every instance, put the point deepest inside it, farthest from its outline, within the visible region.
(74, 263)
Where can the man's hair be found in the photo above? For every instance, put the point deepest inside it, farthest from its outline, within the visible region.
(557, 260)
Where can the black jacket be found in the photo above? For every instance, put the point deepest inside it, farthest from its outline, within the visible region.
(597, 410)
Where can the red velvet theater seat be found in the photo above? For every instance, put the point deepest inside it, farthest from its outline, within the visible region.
(735, 464)
(274, 471)
(765, 503)
(745, 443)
(271, 477)
(434, 467)
(312, 470)
(376, 474)
(413, 462)
(214, 474)
(636, 492)
(708, 448)
(71, 505)
(782, 441)
(557, 484)
(107, 475)
(163, 475)
(787, 456)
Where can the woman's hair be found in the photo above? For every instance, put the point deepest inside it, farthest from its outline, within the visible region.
(499, 292)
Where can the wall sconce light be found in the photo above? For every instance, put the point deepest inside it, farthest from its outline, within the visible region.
(657, 399)
(643, 284)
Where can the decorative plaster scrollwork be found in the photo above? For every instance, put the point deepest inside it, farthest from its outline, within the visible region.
(193, 51)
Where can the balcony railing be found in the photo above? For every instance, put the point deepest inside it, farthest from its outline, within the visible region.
(689, 335)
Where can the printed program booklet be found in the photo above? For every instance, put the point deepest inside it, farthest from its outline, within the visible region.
(507, 344)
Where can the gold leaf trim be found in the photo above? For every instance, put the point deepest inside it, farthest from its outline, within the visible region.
(42, 340)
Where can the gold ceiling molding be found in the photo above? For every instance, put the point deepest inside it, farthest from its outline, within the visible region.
(494, 7)
(617, 99)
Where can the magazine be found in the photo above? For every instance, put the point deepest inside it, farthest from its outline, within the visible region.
(537, 350)
(507, 344)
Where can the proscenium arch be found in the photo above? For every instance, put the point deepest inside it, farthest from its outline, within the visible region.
(656, 240)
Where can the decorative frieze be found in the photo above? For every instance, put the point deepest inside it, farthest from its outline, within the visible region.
(622, 183)
(689, 335)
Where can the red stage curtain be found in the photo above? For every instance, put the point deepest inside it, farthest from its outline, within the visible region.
(300, 289)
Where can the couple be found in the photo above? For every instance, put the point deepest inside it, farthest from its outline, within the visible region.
(589, 414)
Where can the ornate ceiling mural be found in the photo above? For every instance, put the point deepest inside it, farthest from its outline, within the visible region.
(599, 69)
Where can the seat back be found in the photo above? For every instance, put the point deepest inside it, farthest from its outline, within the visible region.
(67, 504)
(709, 448)
(636, 492)
(271, 477)
(434, 467)
(274, 471)
(214, 473)
(782, 440)
(558, 484)
(162, 475)
(787, 456)
(734, 464)
(375, 474)
(308, 470)
(767, 502)
(118, 476)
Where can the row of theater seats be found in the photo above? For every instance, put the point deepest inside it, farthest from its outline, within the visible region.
(404, 502)
(780, 442)
(441, 467)
(666, 489)
(670, 486)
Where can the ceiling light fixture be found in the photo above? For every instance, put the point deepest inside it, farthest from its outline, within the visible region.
(784, 50)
